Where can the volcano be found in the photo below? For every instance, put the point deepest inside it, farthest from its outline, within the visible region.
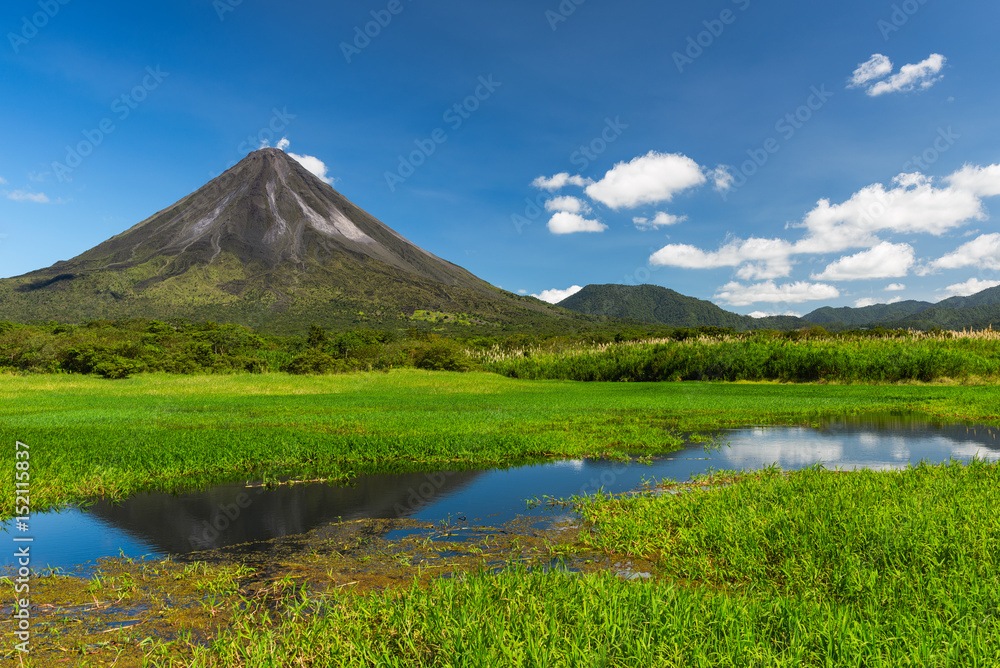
(269, 245)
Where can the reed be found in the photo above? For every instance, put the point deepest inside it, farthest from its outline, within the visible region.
(913, 357)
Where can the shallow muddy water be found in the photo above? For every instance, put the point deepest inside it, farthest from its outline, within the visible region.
(252, 517)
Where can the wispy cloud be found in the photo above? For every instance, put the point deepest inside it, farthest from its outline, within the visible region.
(24, 196)
(559, 181)
(661, 219)
(876, 67)
(872, 74)
(722, 178)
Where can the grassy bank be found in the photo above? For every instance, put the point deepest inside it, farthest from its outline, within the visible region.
(90, 436)
(807, 569)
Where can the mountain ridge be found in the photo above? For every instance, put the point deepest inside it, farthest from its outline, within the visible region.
(659, 305)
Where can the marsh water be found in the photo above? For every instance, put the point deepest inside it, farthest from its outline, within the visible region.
(246, 517)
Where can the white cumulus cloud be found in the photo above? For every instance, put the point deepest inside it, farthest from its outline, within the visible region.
(560, 181)
(567, 204)
(649, 179)
(762, 258)
(564, 222)
(983, 252)
(894, 287)
(554, 296)
(312, 164)
(980, 181)
(661, 219)
(885, 260)
(969, 287)
(914, 205)
(737, 294)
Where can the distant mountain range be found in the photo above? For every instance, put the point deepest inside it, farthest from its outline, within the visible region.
(976, 311)
(655, 304)
(269, 245)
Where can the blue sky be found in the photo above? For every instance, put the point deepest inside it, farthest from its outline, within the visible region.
(770, 157)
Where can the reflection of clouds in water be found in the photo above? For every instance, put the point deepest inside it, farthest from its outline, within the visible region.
(868, 440)
(575, 464)
(966, 449)
(789, 448)
(842, 449)
(898, 448)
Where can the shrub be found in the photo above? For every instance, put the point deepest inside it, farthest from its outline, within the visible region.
(117, 367)
(441, 356)
(313, 361)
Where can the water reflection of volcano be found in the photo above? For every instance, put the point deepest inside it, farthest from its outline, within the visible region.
(231, 514)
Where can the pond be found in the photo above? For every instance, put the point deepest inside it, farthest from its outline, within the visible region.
(250, 517)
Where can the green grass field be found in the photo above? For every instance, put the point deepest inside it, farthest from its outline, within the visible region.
(805, 569)
(90, 436)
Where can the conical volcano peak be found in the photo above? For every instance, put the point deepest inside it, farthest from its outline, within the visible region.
(270, 156)
(267, 236)
(268, 211)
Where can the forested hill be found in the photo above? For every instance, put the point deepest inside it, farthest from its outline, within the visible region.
(656, 304)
